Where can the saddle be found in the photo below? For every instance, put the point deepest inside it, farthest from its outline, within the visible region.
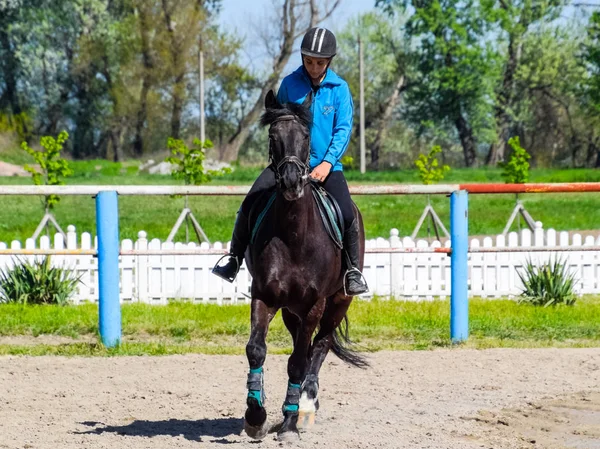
(329, 210)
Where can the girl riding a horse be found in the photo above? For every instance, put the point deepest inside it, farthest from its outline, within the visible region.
(330, 102)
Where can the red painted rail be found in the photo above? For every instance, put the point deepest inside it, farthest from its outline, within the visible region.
(532, 188)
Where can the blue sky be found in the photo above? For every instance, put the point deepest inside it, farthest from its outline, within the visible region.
(244, 16)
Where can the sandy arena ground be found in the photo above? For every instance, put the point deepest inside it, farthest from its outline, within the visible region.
(463, 399)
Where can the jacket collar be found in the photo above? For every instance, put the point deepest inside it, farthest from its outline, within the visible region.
(331, 77)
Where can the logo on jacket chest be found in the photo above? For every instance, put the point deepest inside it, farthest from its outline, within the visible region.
(328, 109)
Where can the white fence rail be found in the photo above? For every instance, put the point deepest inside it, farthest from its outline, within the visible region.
(418, 276)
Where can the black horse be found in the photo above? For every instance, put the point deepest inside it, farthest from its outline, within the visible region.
(295, 267)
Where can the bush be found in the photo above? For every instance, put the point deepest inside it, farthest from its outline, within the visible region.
(37, 283)
(429, 168)
(548, 284)
(189, 162)
(516, 170)
(53, 167)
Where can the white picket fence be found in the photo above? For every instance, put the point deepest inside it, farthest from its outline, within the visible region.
(156, 279)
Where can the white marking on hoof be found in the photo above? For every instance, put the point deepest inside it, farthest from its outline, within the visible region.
(306, 412)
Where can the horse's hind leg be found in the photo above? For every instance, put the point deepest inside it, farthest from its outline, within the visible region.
(255, 418)
(334, 314)
(301, 331)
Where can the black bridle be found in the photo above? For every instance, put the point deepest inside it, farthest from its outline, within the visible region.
(303, 166)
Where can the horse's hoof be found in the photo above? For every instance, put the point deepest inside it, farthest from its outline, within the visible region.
(290, 436)
(306, 419)
(256, 432)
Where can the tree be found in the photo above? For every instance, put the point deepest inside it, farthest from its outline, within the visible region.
(548, 114)
(591, 88)
(13, 101)
(456, 70)
(388, 69)
(515, 18)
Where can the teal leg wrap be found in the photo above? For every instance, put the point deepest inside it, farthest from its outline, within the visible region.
(255, 385)
(292, 398)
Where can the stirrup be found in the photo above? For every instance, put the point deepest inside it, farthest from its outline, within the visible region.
(228, 279)
(361, 275)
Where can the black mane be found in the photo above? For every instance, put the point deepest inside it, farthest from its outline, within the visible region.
(301, 112)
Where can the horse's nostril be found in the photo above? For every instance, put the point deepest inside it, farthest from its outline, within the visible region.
(290, 177)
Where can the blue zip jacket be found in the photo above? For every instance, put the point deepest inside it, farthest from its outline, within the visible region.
(332, 110)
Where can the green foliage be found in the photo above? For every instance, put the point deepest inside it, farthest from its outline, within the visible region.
(19, 124)
(190, 162)
(54, 168)
(456, 69)
(547, 285)
(592, 59)
(348, 162)
(516, 170)
(37, 283)
(430, 171)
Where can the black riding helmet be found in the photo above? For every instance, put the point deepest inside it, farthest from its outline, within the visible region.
(319, 43)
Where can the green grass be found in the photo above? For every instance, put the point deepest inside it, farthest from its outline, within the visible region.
(180, 328)
(156, 215)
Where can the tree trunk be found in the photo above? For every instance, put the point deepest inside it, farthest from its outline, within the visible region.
(178, 99)
(178, 68)
(593, 153)
(142, 114)
(10, 95)
(391, 104)
(506, 95)
(467, 140)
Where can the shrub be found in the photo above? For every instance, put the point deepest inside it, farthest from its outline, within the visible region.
(547, 285)
(516, 170)
(37, 283)
(348, 162)
(189, 162)
(53, 167)
(429, 168)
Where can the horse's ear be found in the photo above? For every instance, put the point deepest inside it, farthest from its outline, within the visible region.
(307, 103)
(270, 100)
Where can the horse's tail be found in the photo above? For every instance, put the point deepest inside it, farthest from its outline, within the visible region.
(342, 346)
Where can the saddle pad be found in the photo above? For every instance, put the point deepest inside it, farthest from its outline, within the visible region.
(329, 211)
(330, 214)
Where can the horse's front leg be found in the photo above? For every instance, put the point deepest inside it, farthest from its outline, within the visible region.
(301, 331)
(255, 422)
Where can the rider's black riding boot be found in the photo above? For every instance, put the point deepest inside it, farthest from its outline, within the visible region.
(354, 282)
(239, 243)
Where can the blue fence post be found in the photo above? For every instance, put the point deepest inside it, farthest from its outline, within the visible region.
(459, 235)
(107, 227)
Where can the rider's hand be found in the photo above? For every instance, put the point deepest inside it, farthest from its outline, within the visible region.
(321, 171)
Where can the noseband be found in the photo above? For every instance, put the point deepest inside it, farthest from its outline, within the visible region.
(303, 166)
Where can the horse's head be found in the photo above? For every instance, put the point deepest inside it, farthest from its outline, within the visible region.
(289, 144)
